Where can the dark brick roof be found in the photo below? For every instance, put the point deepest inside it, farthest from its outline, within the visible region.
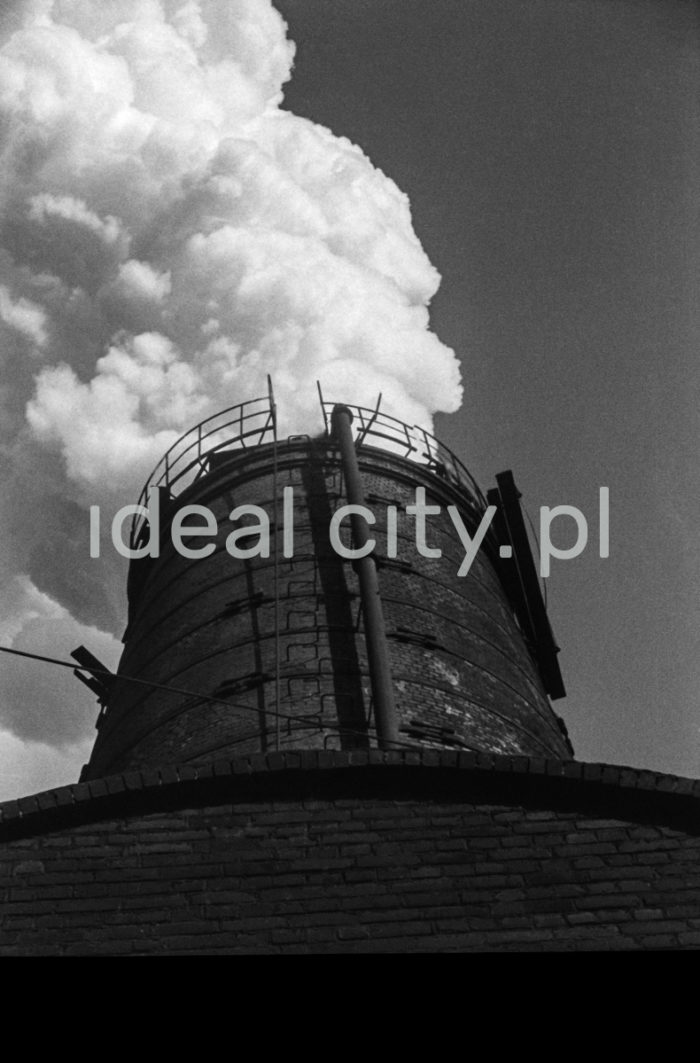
(623, 790)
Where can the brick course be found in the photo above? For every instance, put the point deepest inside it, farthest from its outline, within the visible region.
(360, 851)
(463, 673)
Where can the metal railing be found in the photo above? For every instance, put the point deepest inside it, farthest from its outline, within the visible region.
(249, 424)
(409, 441)
(254, 422)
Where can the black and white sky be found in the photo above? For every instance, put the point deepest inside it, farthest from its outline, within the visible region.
(551, 153)
(550, 150)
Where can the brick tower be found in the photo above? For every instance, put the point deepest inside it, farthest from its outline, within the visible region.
(305, 751)
(262, 652)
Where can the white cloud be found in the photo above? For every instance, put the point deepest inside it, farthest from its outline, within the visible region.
(168, 237)
(24, 316)
(158, 130)
(44, 207)
(138, 280)
(30, 767)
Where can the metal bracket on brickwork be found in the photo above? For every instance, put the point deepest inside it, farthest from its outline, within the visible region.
(244, 605)
(100, 680)
(521, 582)
(417, 638)
(238, 686)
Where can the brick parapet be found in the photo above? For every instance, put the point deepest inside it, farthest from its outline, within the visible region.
(330, 852)
(364, 773)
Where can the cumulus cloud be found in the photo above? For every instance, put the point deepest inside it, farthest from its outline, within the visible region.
(44, 207)
(30, 767)
(24, 317)
(168, 237)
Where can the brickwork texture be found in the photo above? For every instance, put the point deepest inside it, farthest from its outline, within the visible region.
(442, 852)
(463, 674)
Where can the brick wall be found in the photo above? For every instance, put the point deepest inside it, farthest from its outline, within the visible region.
(368, 852)
(463, 675)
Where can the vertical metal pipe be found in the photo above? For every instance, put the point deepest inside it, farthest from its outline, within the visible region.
(375, 630)
(276, 540)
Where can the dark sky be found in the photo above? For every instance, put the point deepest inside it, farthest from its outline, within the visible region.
(551, 152)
